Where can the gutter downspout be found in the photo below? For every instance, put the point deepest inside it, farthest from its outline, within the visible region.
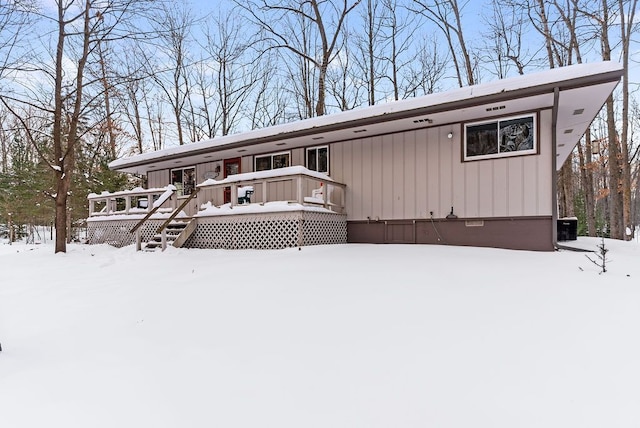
(554, 168)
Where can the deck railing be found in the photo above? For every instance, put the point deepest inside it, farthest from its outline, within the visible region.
(136, 201)
(292, 184)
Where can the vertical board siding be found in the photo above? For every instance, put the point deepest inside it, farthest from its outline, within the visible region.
(421, 172)
(433, 172)
(500, 177)
(409, 182)
(446, 171)
(356, 177)
(407, 175)
(458, 199)
(157, 179)
(397, 174)
(474, 207)
(298, 157)
(484, 188)
(387, 177)
(366, 200)
(376, 189)
(543, 167)
(515, 186)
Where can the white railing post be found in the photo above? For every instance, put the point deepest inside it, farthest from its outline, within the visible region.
(299, 196)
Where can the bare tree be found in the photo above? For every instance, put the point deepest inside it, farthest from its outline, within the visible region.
(233, 70)
(399, 31)
(505, 40)
(628, 28)
(344, 86)
(423, 75)
(447, 14)
(324, 18)
(170, 63)
(79, 29)
(132, 94)
(269, 100)
(367, 41)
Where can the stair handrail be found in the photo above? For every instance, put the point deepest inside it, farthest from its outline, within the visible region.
(178, 210)
(156, 206)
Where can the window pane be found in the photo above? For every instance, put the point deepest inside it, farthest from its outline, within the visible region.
(311, 160)
(184, 180)
(281, 161)
(516, 134)
(189, 180)
(176, 180)
(482, 139)
(323, 160)
(263, 163)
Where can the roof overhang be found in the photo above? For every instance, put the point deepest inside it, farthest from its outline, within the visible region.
(583, 89)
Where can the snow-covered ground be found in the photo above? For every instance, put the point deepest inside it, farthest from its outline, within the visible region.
(328, 336)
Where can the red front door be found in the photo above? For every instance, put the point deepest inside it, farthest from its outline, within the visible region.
(231, 167)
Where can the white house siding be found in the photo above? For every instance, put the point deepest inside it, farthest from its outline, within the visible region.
(408, 175)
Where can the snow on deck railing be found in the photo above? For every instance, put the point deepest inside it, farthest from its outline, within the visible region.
(330, 196)
(270, 173)
(135, 201)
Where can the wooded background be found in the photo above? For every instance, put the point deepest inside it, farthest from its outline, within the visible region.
(85, 82)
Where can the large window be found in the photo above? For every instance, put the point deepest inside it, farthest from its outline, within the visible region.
(318, 159)
(272, 161)
(184, 179)
(511, 136)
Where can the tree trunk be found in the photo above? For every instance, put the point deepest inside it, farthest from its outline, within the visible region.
(626, 30)
(586, 172)
(615, 175)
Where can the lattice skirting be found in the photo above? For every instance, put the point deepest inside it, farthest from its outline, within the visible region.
(116, 232)
(249, 231)
(269, 230)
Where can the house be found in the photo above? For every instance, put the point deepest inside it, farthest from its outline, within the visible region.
(471, 166)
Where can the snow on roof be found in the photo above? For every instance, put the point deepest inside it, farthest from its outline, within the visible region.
(556, 76)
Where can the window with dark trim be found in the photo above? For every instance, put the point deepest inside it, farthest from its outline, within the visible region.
(184, 179)
(272, 161)
(318, 159)
(509, 136)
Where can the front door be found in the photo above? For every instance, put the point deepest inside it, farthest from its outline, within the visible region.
(231, 167)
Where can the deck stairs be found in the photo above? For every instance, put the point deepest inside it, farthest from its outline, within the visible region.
(175, 234)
